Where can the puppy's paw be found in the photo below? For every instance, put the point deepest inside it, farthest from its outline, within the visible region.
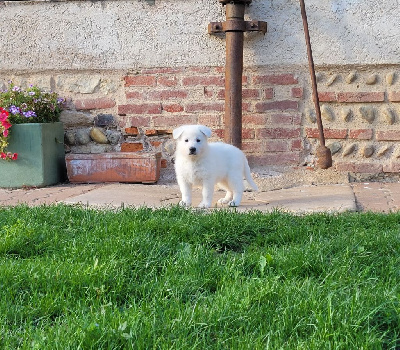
(184, 204)
(204, 205)
(223, 201)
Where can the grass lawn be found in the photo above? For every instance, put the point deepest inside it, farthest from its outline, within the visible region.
(75, 278)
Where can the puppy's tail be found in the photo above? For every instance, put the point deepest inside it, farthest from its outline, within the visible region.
(247, 175)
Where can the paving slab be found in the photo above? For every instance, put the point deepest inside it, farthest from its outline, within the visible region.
(374, 196)
(304, 199)
(44, 195)
(309, 199)
(377, 196)
(117, 195)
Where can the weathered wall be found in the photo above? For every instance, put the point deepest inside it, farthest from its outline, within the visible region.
(152, 66)
(133, 34)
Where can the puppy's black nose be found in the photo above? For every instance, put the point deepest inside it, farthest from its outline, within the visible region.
(192, 150)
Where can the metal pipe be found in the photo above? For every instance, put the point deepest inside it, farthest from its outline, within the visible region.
(323, 153)
(233, 75)
(234, 27)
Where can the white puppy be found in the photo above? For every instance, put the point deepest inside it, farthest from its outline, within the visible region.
(199, 163)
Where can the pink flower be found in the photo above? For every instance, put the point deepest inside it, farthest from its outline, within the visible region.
(6, 124)
(14, 156)
(3, 155)
(5, 133)
(3, 114)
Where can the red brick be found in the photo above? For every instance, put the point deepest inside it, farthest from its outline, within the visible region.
(344, 167)
(247, 107)
(151, 132)
(131, 147)
(168, 94)
(164, 132)
(281, 119)
(221, 94)
(251, 147)
(391, 168)
(278, 133)
(164, 163)
(144, 108)
(140, 121)
(297, 92)
(246, 94)
(360, 97)
(248, 133)
(361, 134)
(269, 93)
(335, 133)
(206, 107)
(277, 146)
(390, 135)
(326, 96)
(276, 79)
(203, 80)
(297, 145)
(135, 95)
(95, 103)
(270, 159)
(297, 118)
(174, 108)
(255, 119)
(210, 120)
(328, 133)
(394, 96)
(220, 133)
(174, 120)
(140, 80)
(132, 131)
(208, 92)
(367, 168)
(276, 105)
(156, 144)
(167, 81)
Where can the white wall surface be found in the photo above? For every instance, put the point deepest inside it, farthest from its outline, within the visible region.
(135, 34)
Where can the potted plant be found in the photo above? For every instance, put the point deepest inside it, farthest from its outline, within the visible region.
(31, 137)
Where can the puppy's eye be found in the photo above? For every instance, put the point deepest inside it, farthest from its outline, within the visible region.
(197, 140)
(186, 140)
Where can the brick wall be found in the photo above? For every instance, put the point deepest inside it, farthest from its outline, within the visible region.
(161, 99)
(138, 111)
(360, 111)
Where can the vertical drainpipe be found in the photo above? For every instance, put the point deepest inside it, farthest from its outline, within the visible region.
(234, 27)
(233, 74)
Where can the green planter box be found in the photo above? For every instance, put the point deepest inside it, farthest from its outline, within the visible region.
(41, 156)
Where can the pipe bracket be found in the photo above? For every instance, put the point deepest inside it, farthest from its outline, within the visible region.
(237, 26)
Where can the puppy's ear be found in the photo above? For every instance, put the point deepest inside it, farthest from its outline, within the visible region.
(177, 132)
(205, 130)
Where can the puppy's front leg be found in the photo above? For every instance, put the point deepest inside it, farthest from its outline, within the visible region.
(186, 191)
(207, 192)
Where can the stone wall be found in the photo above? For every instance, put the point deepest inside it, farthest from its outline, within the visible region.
(134, 70)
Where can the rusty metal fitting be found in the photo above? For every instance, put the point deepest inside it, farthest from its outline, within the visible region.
(324, 156)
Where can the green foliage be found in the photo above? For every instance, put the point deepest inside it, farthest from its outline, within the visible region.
(31, 105)
(171, 278)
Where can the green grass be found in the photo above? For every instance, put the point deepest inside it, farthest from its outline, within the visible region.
(76, 278)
